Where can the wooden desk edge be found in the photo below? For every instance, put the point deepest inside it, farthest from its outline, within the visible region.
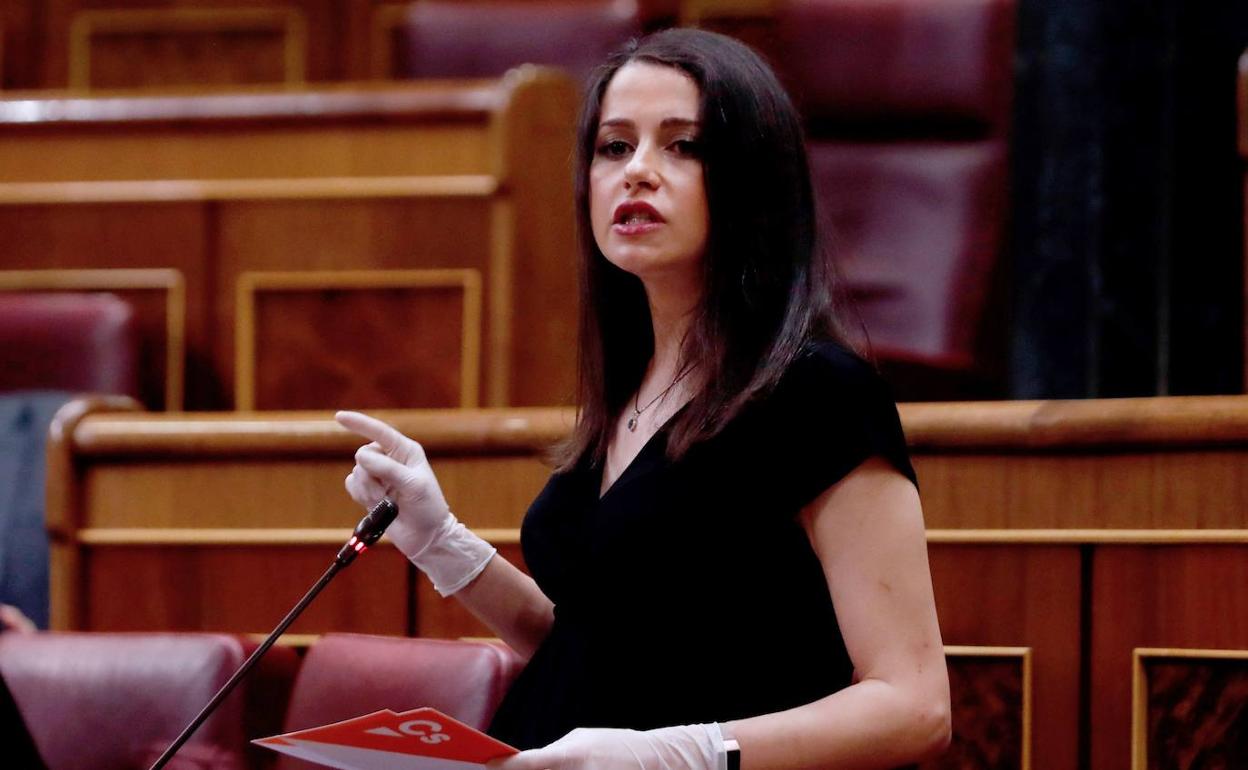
(1037, 427)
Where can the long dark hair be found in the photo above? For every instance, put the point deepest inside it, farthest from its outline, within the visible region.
(766, 291)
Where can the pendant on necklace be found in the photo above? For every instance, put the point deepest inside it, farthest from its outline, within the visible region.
(632, 424)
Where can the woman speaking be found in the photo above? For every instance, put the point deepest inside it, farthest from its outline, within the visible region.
(728, 564)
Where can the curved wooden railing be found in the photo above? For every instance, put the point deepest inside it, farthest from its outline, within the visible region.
(1064, 537)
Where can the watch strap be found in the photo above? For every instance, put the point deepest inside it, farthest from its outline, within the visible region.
(734, 753)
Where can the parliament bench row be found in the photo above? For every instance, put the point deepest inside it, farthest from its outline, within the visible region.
(1094, 546)
(451, 200)
(909, 156)
(131, 43)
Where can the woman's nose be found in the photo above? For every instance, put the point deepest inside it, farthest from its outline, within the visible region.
(640, 168)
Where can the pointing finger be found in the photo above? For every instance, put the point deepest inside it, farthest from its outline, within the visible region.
(386, 436)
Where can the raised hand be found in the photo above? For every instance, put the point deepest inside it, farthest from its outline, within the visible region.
(393, 465)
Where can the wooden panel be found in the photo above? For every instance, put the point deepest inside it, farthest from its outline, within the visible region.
(1020, 595)
(1059, 427)
(1191, 709)
(1177, 489)
(186, 46)
(319, 19)
(240, 589)
(239, 234)
(1186, 596)
(1168, 463)
(158, 298)
(155, 492)
(540, 274)
(385, 233)
(990, 690)
(359, 339)
(155, 152)
(419, 128)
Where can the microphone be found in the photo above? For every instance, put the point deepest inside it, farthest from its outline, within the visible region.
(366, 533)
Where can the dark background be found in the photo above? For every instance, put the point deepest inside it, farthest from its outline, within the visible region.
(1127, 242)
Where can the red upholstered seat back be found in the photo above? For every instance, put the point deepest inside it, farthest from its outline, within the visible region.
(917, 231)
(68, 341)
(105, 701)
(463, 38)
(907, 105)
(346, 675)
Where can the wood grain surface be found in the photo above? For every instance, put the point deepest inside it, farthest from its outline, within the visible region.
(447, 175)
(1021, 596)
(1185, 596)
(1196, 710)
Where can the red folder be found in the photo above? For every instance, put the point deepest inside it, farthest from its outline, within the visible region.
(421, 739)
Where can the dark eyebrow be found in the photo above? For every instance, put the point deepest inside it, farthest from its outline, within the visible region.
(665, 123)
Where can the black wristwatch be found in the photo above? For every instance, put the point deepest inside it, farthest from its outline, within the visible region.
(734, 753)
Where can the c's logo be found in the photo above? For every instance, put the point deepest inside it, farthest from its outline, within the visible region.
(426, 731)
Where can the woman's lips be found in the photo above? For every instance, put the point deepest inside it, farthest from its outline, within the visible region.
(636, 218)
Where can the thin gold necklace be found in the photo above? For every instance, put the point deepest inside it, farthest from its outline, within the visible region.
(632, 421)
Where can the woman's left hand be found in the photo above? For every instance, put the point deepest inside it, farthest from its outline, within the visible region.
(691, 747)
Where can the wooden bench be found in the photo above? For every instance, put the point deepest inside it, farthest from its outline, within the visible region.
(470, 176)
(134, 43)
(1076, 547)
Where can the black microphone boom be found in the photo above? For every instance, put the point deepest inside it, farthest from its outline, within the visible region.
(366, 533)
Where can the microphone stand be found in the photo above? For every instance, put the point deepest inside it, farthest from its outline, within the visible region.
(366, 533)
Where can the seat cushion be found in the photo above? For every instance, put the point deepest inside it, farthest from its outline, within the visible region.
(453, 38)
(916, 230)
(68, 341)
(932, 63)
(97, 701)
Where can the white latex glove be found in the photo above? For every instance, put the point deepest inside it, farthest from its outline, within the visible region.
(691, 747)
(426, 531)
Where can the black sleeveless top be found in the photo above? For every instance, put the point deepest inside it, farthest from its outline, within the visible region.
(689, 592)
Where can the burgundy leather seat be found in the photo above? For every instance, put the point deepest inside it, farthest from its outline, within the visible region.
(95, 701)
(348, 675)
(68, 341)
(907, 106)
(476, 38)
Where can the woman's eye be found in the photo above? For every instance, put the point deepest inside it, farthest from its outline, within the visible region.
(614, 149)
(688, 147)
